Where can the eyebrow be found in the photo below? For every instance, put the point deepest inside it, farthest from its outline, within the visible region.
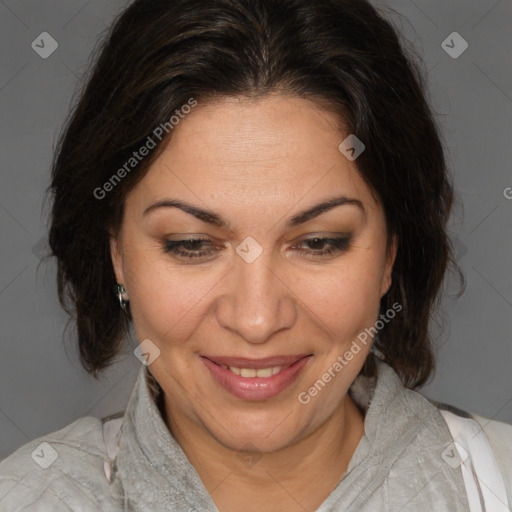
(211, 217)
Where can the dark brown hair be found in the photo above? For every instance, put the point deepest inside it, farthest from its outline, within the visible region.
(160, 53)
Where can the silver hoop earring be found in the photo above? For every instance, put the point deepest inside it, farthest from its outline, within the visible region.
(120, 291)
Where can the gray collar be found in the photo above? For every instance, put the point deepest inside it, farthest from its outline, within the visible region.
(397, 465)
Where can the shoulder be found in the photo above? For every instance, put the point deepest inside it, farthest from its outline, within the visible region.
(62, 470)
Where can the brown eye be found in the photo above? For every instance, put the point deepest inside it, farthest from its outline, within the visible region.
(188, 248)
(317, 246)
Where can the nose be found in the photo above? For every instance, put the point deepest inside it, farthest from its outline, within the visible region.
(257, 302)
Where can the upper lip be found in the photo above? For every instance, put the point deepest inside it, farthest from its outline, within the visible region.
(266, 362)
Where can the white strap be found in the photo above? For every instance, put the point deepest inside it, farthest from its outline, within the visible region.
(111, 432)
(482, 476)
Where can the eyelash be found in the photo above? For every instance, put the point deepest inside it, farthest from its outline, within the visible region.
(339, 244)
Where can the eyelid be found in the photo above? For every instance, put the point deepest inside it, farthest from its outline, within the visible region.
(325, 234)
(185, 237)
(337, 244)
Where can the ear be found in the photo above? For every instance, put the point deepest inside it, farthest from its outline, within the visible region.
(117, 258)
(390, 261)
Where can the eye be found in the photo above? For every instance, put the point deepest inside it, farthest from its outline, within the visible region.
(318, 244)
(189, 248)
(196, 248)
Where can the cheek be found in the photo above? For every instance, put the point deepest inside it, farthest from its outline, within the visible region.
(167, 303)
(347, 296)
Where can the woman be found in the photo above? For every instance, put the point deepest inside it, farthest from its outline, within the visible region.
(257, 187)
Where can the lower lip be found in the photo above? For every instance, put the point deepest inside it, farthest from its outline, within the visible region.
(255, 388)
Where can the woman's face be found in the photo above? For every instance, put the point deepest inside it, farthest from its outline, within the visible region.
(261, 288)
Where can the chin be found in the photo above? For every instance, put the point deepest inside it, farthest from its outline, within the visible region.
(258, 434)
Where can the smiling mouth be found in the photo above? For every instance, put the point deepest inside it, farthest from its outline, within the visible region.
(252, 372)
(262, 368)
(256, 379)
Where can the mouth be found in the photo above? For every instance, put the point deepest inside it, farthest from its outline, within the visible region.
(256, 379)
(265, 367)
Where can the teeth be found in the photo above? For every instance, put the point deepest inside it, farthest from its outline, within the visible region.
(252, 372)
(264, 372)
(236, 371)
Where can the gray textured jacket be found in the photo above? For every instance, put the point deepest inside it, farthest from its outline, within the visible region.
(399, 464)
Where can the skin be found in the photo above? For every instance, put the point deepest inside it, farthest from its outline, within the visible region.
(256, 163)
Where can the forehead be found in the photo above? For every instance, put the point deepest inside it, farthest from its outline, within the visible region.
(266, 132)
(274, 150)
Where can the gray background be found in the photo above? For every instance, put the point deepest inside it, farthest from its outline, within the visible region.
(42, 385)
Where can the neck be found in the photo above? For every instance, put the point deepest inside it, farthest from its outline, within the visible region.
(297, 477)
